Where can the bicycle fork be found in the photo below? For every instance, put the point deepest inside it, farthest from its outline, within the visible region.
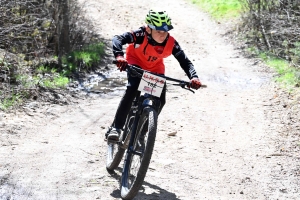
(145, 101)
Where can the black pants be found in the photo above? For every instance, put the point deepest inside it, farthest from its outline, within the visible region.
(127, 99)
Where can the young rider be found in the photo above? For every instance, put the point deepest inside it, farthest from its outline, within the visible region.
(148, 46)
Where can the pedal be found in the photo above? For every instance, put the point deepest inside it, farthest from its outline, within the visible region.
(107, 132)
(112, 141)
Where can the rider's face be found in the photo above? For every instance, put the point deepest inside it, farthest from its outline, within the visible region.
(158, 36)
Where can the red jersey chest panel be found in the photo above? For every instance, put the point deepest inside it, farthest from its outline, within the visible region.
(150, 57)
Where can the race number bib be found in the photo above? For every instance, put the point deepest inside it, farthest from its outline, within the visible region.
(152, 84)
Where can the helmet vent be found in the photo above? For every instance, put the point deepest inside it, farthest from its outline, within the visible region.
(159, 20)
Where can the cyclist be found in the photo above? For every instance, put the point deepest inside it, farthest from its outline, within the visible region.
(147, 48)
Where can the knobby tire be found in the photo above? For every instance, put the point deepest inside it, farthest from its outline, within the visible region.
(114, 151)
(114, 158)
(147, 125)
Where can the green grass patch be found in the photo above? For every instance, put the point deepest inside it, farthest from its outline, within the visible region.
(220, 9)
(25, 80)
(52, 81)
(90, 54)
(42, 69)
(85, 58)
(52, 76)
(288, 76)
(78, 60)
(56, 82)
(7, 103)
(49, 77)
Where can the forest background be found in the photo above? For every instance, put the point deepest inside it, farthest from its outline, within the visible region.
(48, 44)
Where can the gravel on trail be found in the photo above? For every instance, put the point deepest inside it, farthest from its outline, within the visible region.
(227, 141)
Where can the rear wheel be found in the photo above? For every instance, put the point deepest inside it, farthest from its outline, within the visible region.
(138, 157)
(116, 151)
(114, 156)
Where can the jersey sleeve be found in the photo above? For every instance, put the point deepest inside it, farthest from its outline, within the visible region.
(184, 61)
(118, 41)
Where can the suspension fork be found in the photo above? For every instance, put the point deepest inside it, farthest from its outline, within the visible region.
(144, 101)
(134, 128)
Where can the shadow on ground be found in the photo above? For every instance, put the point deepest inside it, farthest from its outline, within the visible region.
(159, 193)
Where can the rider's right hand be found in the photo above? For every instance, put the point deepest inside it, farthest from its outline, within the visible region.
(121, 63)
(195, 83)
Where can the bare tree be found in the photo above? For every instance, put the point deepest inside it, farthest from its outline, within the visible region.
(32, 33)
(63, 28)
(273, 26)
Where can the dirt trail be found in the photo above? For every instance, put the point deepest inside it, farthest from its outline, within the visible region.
(224, 147)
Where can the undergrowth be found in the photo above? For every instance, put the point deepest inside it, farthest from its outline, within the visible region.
(49, 75)
(220, 9)
(288, 75)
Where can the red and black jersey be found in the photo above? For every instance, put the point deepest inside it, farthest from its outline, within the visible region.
(149, 55)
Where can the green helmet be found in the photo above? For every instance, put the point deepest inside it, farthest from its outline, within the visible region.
(158, 21)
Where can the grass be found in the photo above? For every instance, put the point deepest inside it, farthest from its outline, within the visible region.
(220, 9)
(288, 76)
(46, 77)
(57, 82)
(52, 77)
(87, 56)
(42, 69)
(7, 103)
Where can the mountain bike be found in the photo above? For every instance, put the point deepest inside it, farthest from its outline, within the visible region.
(138, 136)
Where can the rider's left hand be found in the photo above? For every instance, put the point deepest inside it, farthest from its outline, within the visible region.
(121, 63)
(195, 83)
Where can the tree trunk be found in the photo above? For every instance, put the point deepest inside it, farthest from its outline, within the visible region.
(62, 29)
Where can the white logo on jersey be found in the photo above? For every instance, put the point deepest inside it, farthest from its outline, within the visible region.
(139, 34)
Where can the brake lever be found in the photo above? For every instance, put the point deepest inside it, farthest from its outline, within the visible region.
(182, 85)
(189, 89)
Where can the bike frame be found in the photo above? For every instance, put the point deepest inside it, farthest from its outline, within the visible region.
(145, 100)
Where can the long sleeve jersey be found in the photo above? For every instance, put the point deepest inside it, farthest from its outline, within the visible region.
(138, 36)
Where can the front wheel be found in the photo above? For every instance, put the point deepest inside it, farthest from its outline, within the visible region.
(138, 156)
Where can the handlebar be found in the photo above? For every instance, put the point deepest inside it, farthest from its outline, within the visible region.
(136, 71)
